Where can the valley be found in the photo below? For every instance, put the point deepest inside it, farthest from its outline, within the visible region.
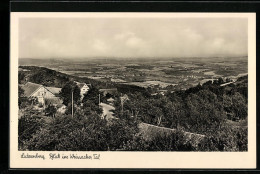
(163, 73)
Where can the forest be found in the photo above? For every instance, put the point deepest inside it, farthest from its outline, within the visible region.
(218, 113)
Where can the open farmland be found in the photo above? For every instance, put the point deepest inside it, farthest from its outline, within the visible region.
(177, 72)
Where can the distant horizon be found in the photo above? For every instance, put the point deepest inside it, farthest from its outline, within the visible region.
(179, 57)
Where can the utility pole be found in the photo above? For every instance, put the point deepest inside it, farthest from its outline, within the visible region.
(43, 103)
(123, 99)
(44, 99)
(99, 99)
(122, 105)
(72, 103)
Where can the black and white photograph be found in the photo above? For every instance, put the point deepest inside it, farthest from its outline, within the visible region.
(133, 83)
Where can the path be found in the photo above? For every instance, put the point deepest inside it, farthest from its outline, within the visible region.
(107, 110)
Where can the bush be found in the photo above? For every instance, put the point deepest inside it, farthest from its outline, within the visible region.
(81, 133)
(162, 142)
(50, 110)
(226, 140)
(27, 127)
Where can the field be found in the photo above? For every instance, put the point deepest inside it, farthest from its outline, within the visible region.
(177, 73)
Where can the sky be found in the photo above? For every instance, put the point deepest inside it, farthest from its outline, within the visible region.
(132, 37)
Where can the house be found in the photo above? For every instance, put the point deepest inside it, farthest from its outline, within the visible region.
(38, 91)
(56, 101)
(84, 88)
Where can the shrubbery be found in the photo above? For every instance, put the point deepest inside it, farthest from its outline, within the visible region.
(226, 140)
(81, 133)
(27, 127)
(161, 142)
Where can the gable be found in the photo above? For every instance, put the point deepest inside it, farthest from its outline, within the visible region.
(42, 91)
(85, 86)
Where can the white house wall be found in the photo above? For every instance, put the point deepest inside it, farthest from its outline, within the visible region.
(84, 90)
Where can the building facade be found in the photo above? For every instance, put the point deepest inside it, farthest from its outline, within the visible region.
(33, 90)
(84, 88)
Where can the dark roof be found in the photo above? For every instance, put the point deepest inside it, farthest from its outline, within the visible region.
(80, 85)
(29, 88)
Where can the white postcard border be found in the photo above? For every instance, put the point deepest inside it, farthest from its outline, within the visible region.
(135, 159)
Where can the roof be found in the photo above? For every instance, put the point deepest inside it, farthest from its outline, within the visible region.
(149, 131)
(54, 90)
(80, 85)
(29, 88)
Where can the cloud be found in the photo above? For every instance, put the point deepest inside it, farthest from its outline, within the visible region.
(135, 42)
(100, 45)
(124, 35)
(129, 39)
(97, 37)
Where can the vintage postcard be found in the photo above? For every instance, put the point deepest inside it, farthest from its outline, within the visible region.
(133, 90)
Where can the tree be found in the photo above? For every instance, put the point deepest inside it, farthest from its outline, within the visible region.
(226, 139)
(89, 107)
(205, 112)
(76, 94)
(66, 93)
(37, 77)
(162, 142)
(108, 95)
(28, 125)
(23, 101)
(20, 96)
(50, 110)
(227, 103)
(92, 95)
(239, 106)
(228, 80)
(91, 101)
(82, 133)
(174, 113)
(134, 107)
(21, 77)
(219, 81)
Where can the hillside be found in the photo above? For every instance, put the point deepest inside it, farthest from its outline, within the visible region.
(48, 77)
